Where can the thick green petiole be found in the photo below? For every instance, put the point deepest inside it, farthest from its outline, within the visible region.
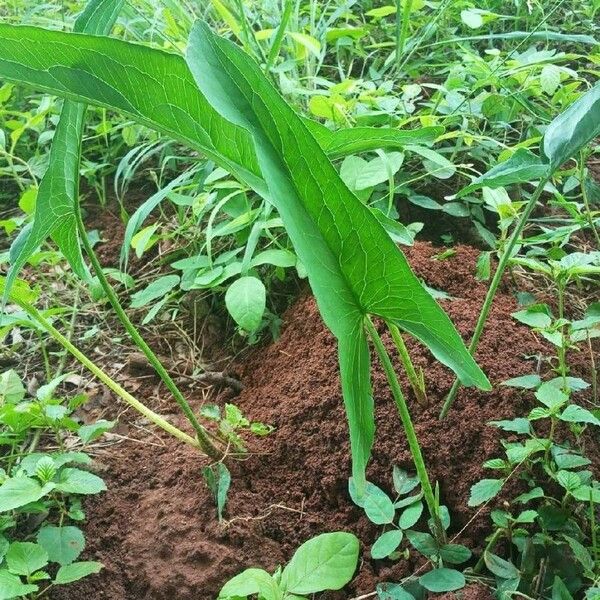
(204, 440)
(104, 377)
(491, 293)
(417, 380)
(409, 428)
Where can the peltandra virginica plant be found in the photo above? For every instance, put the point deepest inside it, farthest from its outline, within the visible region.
(219, 102)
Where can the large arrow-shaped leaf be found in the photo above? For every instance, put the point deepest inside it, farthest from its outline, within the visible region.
(353, 266)
(156, 88)
(57, 194)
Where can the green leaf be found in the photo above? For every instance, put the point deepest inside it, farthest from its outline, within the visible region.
(527, 516)
(11, 586)
(325, 562)
(484, 490)
(573, 129)
(534, 317)
(522, 167)
(4, 544)
(362, 139)
(528, 382)
(581, 553)
(408, 501)
(560, 590)
(410, 515)
(157, 289)
(392, 591)
(550, 79)
(149, 85)
(19, 491)
(386, 543)
(455, 553)
(76, 481)
(495, 463)
(518, 425)
(576, 414)
(500, 567)
(379, 508)
(248, 583)
(472, 18)
(57, 194)
(377, 170)
(569, 480)
(76, 571)
(353, 266)
(551, 396)
(156, 89)
(246, 301)
(24, 558)
(370, 489)
(218, 479)
(12, 390)
(442, 580)
(403, 482)
(587, 493)
(278, 258)
(435, 164)
(569, 460)
(422, 542)
(91, 432)
(62, 544)
(20, 289)
(519, 452)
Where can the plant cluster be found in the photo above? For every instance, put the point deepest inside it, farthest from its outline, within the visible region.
(41, 492)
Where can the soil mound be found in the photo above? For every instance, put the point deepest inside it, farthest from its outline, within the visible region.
(156, 529)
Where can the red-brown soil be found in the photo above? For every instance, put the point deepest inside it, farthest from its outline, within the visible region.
(156, 531)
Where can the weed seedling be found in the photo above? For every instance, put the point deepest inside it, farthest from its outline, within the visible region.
(398, 516)
(325, 562)
(41, 491)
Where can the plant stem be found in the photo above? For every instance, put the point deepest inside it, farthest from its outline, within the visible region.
(104, 377)
(562, 350)
(402, 27)
(204, 441)
(277, 41)
(488, 548)
(594, 374)
(411, 436)
(416, 381)
(491, 293)
(595, 547)
(586, 200)
(63, 359)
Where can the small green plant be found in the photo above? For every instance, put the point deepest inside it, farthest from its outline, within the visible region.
(325, 562)
(41, 492)
(398, 516)
(552, 535)
(231, 422)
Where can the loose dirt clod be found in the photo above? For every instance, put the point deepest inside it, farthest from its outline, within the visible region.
(156, 529)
